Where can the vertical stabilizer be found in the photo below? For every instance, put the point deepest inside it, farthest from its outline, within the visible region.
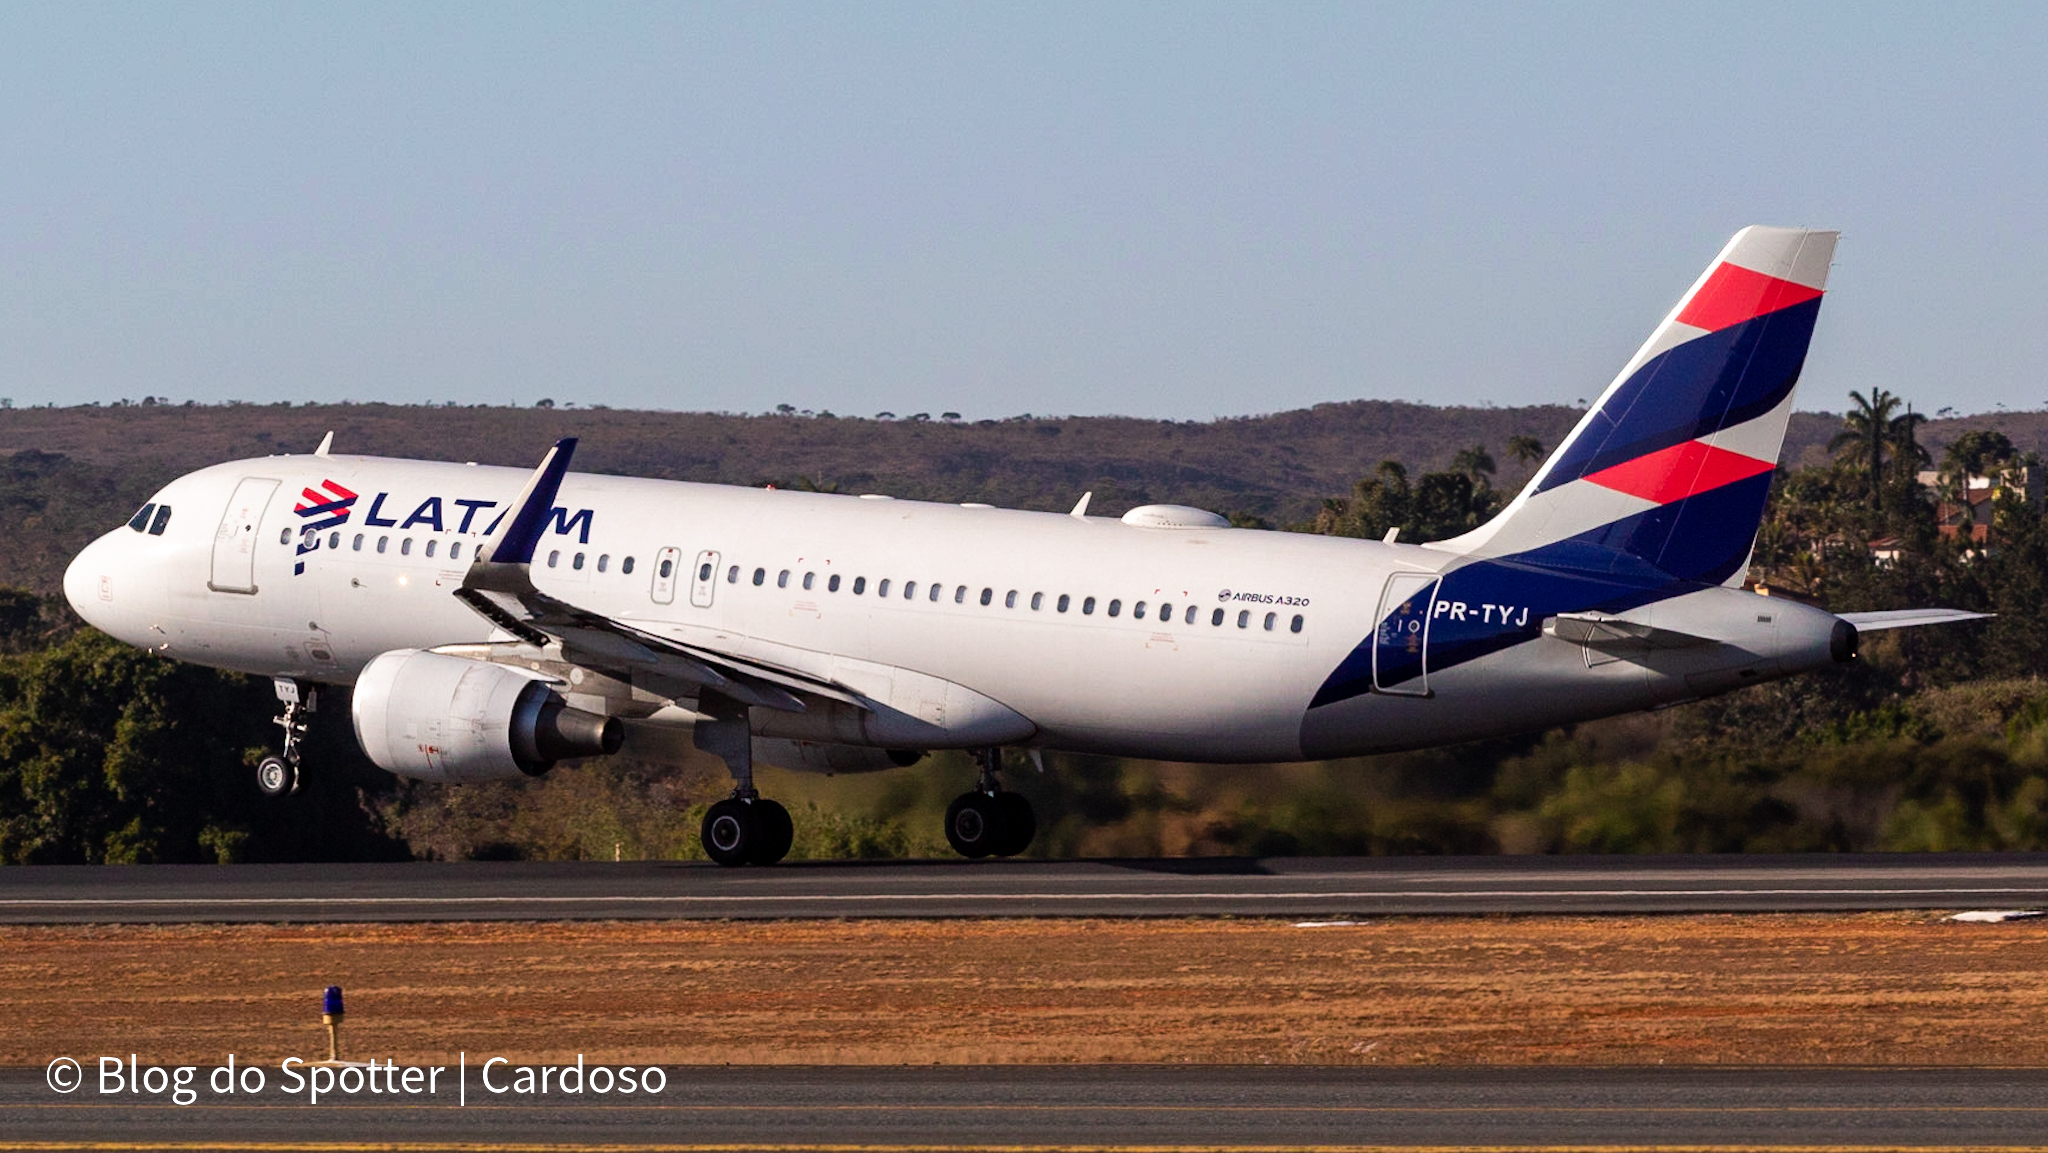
(1673, 463)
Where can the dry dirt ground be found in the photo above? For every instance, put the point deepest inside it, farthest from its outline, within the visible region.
(1797, 989)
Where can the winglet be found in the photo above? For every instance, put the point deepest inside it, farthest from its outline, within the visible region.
(326, 444)
(522, 534)
(1081, 506)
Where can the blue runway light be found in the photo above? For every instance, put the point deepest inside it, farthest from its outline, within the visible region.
(331, 1005)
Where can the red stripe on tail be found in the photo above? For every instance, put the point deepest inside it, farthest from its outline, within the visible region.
(1679, 472)
(1733, 294)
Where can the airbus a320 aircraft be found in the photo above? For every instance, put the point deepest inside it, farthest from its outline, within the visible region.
(494, 622)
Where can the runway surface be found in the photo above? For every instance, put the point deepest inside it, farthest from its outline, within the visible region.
(1097, 1107)
(1275, 887)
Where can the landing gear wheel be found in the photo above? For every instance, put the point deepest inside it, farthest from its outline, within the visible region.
(974, 825)
(1019, 824)
(777, 832)
(731, 832)
(276, 778)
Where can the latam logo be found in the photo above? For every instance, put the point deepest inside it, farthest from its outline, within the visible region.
(330, 505)
(330, 500)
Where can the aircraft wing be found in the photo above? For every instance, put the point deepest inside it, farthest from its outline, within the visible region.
(499, 586)
(1909, 618)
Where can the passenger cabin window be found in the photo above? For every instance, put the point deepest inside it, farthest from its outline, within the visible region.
(285, 537)
(1010, 601)
(937, 588)
(988, 596)
(1294, 626)
(860, 585)
(704, 573)
(405, 547)
(1037, 601)
(1137, 611)
(882, 589)
(960, 595)
(334, 540)
(1270, 618)
(576, 562)
(554, 558)
(625, 566)
(604, 559)
(910, 590)
(808, 578)
(1087, 607)
(1192, 610)
(1244, 617)
(140, 521)
(732, 575)
(760, 576)
(1115, 607)
(162, 521)
(384, 543)
(433, 544)
(1166, 613)
(832, 585)
(665, 568)
(782, 579)
(455, 553)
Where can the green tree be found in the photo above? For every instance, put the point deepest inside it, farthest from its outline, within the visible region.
(109, 754)
(1476, 463)
(1978, 452)
(1867, 431)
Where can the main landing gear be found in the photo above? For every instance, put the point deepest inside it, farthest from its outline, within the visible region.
(988, 821)
(278, 776)
(746, 828)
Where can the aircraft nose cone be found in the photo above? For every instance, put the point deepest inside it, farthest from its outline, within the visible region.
(88, 585)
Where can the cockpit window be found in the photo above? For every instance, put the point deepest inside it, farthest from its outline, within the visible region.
(163, 518)
(141, 520)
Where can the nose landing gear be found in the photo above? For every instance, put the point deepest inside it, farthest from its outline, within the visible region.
(989, 821)
(278, 776)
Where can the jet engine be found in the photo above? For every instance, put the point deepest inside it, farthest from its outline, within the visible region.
(435, 717)
(822, 757)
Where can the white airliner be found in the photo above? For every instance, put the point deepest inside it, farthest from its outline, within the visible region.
(494, 622)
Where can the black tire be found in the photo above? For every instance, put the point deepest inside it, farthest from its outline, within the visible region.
(974, 825)
(777, 832)
(730, 832)
(276, 777)
(1020, 824)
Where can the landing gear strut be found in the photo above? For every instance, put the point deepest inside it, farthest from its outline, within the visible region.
(989, 821)
(278, 776)
(746, 828)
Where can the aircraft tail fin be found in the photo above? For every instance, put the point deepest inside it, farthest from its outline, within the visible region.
(1672, 465)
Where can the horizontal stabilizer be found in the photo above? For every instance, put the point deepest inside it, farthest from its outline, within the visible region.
(1909, 618)
(1605, 632)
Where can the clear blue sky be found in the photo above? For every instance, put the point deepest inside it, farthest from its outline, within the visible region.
(1178, 210)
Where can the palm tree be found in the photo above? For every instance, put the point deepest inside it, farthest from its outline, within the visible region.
(1476, 463)
(1525, 448)
(1868, 428)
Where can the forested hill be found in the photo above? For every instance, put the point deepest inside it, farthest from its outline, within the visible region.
(70, 473)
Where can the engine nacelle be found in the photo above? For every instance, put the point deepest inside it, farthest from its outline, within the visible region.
(435, 717)
(824, 757)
